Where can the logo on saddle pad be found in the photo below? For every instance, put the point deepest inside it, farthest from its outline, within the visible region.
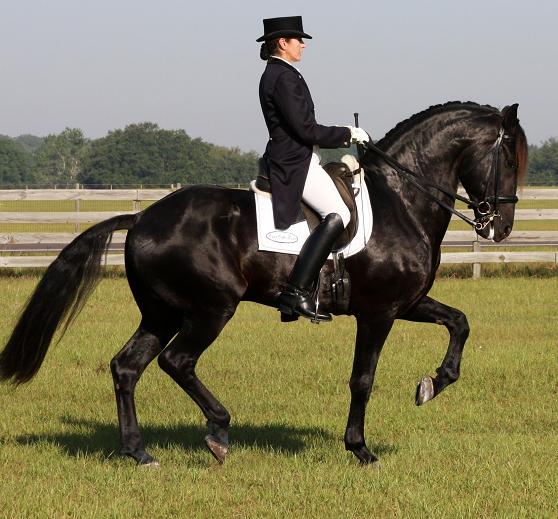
(282, 237)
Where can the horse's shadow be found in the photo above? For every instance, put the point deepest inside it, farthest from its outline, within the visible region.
(97, 438)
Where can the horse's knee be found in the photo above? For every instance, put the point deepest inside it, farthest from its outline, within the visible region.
(123, 378)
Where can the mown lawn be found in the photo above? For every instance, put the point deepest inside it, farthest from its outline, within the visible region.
(486, 447)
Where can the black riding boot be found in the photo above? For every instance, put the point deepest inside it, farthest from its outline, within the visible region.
(297, 297)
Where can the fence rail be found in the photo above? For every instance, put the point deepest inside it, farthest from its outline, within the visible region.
(155, 194)
(83, 194)
(27, 243)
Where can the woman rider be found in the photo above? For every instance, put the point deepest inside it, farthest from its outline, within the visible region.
(293, 161)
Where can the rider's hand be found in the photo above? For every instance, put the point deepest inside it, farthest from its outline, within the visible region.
(358, 135)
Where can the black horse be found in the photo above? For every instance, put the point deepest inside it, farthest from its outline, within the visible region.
(193, 256)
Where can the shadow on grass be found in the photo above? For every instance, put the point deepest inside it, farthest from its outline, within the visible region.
(102, 439)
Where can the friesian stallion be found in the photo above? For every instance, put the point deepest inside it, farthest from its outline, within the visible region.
(193, 256)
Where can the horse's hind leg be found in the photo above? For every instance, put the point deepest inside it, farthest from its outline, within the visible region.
(431, 311)
(179, 360)
(127, 367)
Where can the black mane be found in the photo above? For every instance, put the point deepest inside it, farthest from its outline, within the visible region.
(417, 118)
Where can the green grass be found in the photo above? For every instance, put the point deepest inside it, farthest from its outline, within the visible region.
(486, 447)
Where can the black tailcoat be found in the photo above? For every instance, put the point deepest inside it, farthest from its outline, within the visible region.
(288, 110)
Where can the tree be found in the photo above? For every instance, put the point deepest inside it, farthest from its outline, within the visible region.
(543, 163)
(146, 154)
(59, 158)
(31, 143)
(15, 164)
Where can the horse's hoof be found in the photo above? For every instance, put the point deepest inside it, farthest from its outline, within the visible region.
(218, 449)
(425, 391)
(365, 456)
(141, 457)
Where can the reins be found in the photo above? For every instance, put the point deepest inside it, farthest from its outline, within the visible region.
(488, 208)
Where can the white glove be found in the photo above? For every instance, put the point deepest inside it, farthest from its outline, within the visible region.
(358, 135)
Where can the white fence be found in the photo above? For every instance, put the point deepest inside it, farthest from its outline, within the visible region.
(27, 243)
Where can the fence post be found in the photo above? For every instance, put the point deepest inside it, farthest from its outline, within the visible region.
(136, 203)
(77, 227)
(476, 266)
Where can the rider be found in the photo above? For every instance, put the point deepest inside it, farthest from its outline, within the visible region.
(293, 161)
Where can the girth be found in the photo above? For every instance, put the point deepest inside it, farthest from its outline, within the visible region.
(342, 177)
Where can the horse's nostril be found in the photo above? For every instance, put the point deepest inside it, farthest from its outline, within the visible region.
(507, 230)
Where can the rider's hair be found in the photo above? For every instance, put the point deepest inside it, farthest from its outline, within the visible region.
(269, 48)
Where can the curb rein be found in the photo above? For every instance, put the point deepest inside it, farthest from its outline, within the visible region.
(488, 208)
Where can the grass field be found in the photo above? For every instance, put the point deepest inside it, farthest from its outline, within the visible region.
(486, 447)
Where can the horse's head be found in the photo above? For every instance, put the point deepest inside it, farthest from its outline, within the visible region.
(491, 170)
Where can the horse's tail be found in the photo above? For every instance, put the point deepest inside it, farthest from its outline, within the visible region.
(59, 297)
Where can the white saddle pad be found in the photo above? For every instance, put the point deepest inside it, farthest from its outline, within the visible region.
(290, 241)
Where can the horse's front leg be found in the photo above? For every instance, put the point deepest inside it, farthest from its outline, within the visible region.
(431, 311)
(370, 339)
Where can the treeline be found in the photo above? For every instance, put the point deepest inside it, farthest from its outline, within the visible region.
(140, 154)
(543, 163)
(144, 154)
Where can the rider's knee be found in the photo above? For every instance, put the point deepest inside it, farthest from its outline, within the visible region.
(335, 219)
(343, 214)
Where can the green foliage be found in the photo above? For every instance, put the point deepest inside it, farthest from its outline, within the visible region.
(543, 163)
(139, 154)
(59, 158)
(146, 154)
(31, 143)
(15, 163)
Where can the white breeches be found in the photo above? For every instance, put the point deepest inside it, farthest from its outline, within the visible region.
(320, 192)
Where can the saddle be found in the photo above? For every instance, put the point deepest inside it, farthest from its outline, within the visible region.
(343, 178)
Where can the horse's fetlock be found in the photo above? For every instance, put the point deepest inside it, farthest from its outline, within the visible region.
(446, 376)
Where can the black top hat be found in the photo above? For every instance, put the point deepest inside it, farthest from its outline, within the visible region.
(283, 27)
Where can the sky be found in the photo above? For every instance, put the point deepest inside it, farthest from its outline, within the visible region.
(194, 65)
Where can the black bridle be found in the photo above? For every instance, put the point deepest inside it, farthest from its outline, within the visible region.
(488, 208)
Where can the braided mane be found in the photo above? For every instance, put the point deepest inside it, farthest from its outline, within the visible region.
(417, 118)
(404, 126)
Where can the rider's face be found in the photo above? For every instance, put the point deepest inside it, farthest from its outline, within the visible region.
(292, 48)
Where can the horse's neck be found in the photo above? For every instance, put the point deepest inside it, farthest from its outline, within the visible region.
(432, 152)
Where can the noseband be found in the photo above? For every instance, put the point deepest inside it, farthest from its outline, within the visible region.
(488, 208)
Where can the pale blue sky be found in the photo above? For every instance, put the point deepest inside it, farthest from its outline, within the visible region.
(195, 65)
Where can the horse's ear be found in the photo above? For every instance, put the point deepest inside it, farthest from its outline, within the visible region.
(510, 122)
